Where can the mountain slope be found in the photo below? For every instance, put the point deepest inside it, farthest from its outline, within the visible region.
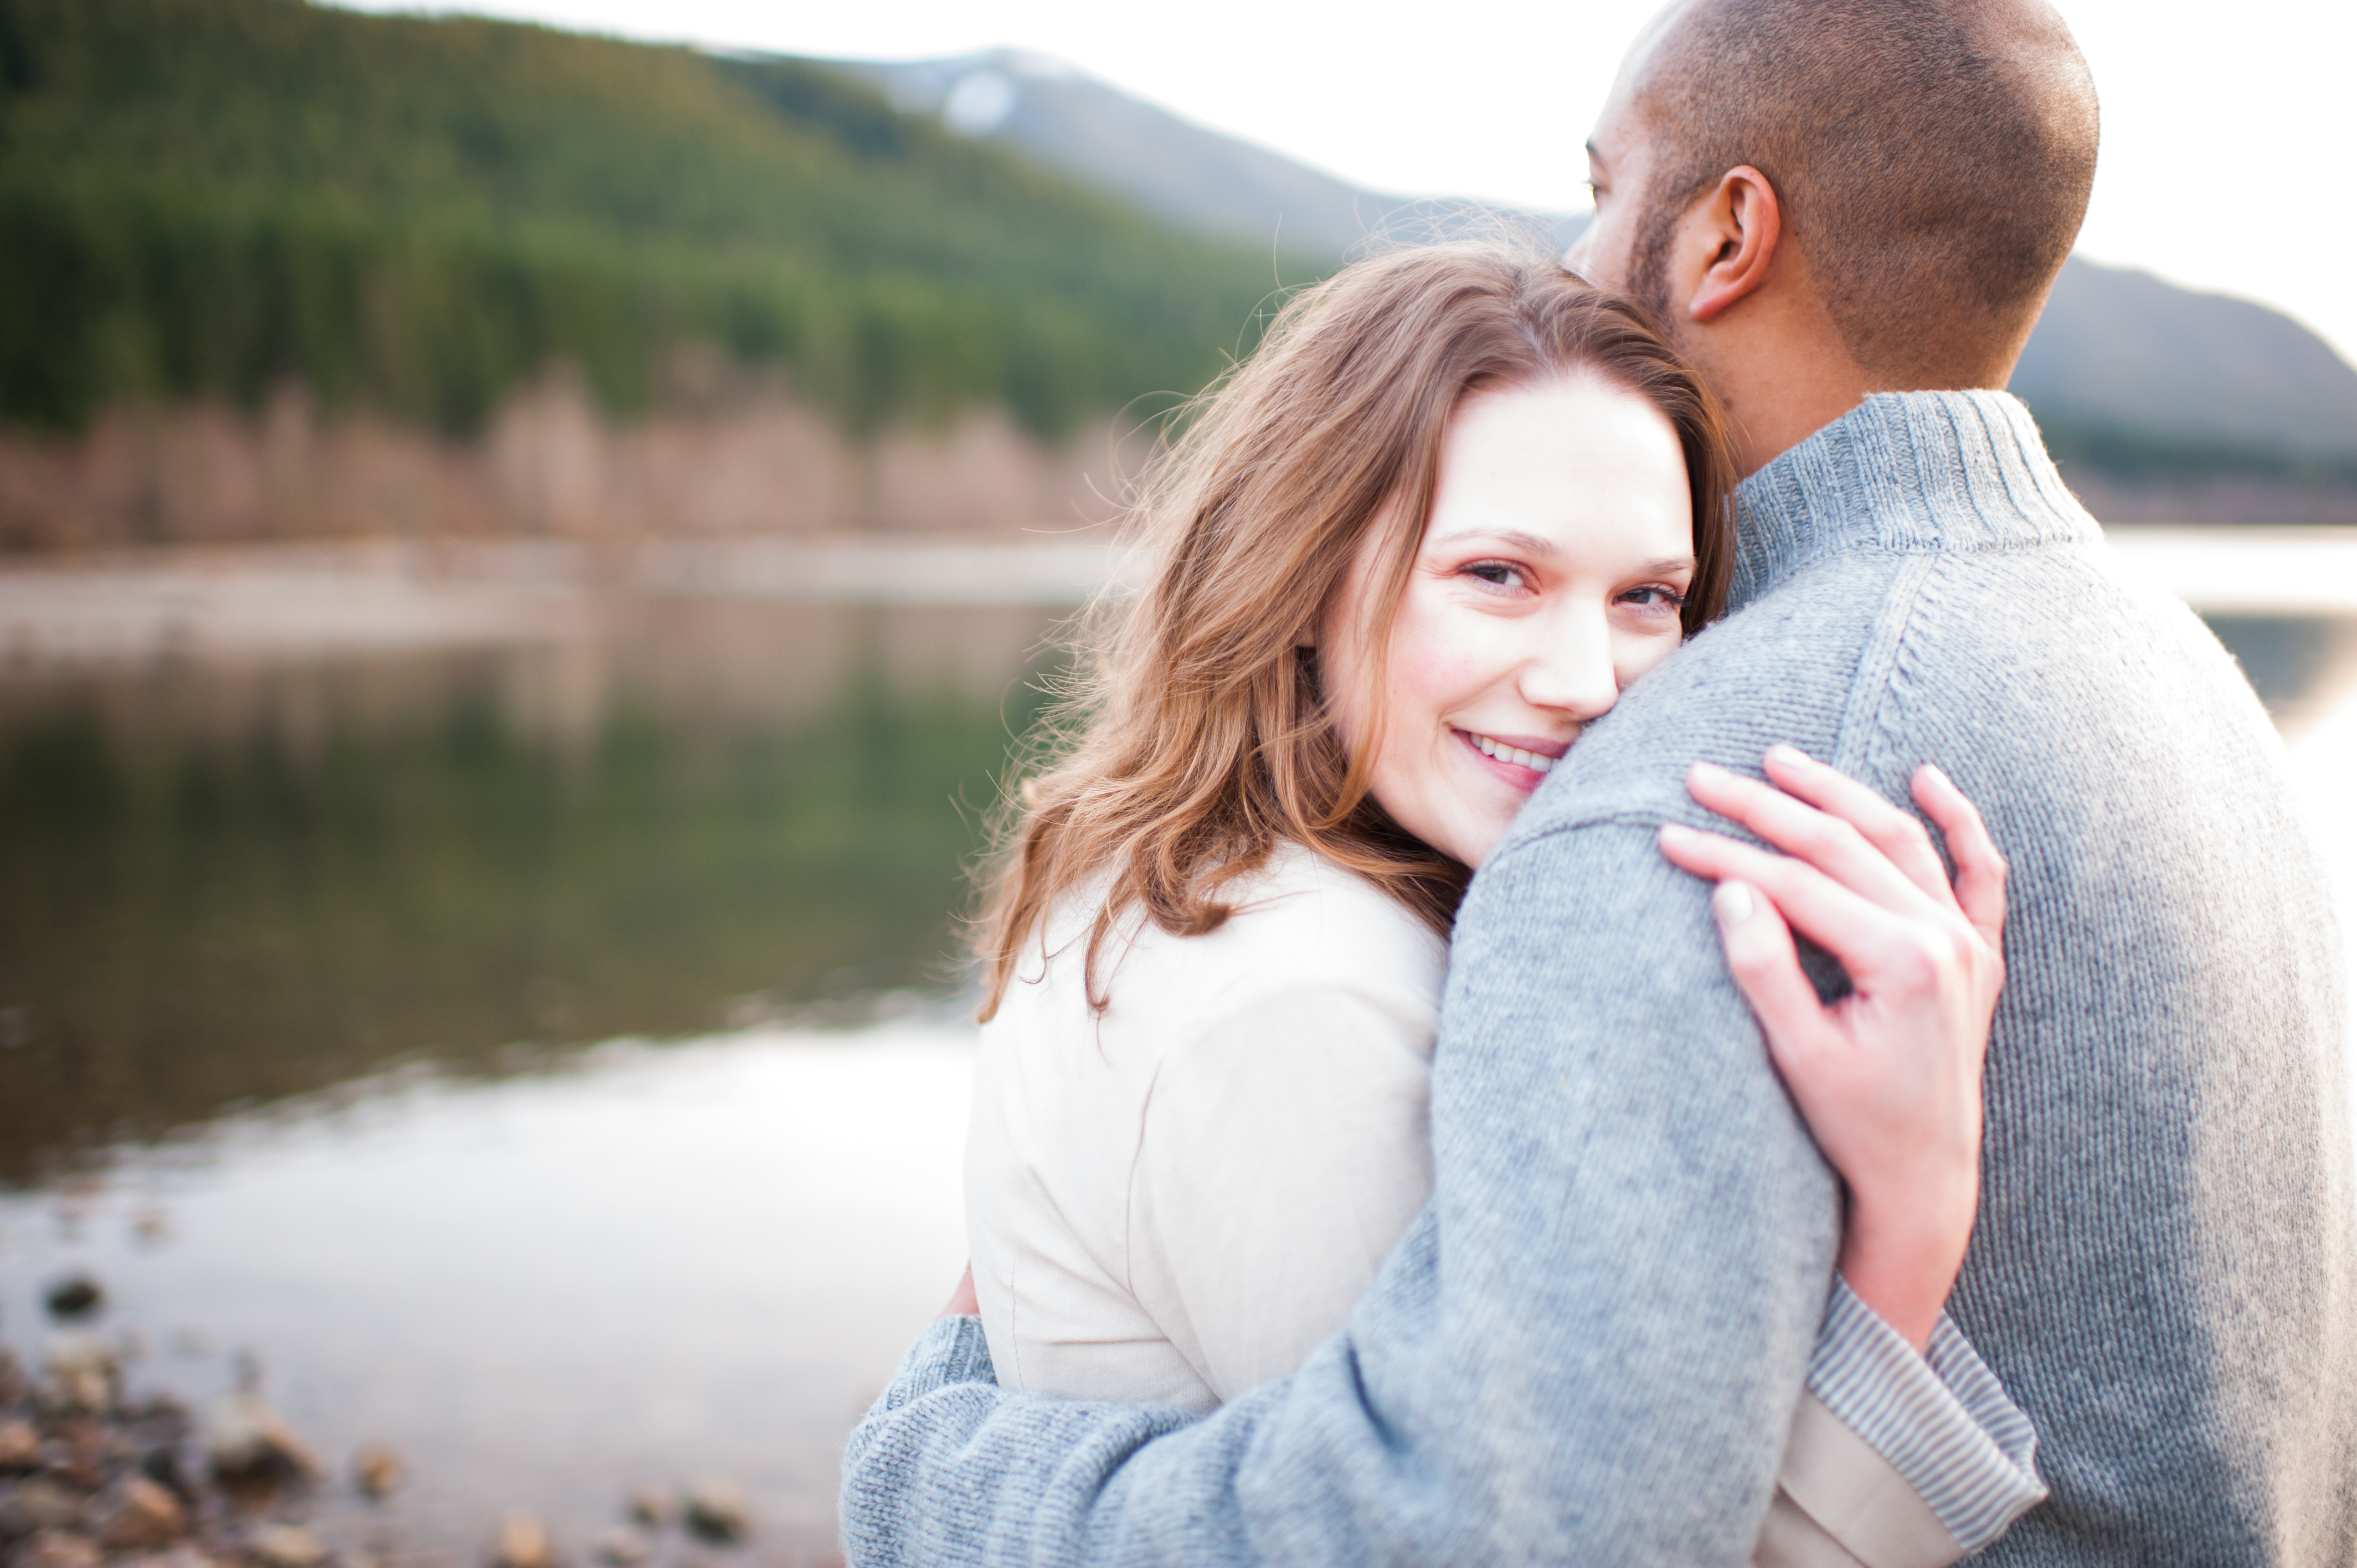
(1186, 174)
(207, 195)
(1183, 174)
(2135, 372)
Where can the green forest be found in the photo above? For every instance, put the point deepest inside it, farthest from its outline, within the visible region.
(209, 197)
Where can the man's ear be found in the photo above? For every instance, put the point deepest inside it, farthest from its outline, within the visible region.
(1743, 216)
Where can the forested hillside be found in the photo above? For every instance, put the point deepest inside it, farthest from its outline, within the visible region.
(205, 197)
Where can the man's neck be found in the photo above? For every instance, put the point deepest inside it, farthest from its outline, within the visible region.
(1779, 369)
(1774, 403)
(1782, 371)
(1764, 422)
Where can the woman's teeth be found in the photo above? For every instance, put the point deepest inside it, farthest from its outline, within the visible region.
(1513, 754)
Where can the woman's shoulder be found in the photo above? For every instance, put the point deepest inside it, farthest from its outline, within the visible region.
(1300, 924)
(1311, 899)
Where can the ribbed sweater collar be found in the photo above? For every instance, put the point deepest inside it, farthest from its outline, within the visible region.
(1904, 471)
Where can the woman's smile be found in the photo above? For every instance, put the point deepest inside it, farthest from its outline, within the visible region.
(1521, 760)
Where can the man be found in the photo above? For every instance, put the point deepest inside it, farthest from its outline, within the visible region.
(1590, 1350)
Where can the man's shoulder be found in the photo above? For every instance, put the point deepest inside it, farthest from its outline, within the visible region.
(1780, 669)
(1850, 655)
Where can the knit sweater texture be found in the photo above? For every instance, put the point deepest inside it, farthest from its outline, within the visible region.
(1589, 1348)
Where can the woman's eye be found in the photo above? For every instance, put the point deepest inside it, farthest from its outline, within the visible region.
(1655, 596)
(1497, 573)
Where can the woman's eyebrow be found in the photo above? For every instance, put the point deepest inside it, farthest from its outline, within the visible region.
(1513, 538)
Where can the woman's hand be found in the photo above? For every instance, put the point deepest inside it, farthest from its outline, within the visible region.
(1889, 1077)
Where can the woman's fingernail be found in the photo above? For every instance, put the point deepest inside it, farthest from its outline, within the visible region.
(1733, 903)
(1676, 832)
(1782, 752)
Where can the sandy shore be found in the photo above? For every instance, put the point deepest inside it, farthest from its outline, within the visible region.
(266, 602)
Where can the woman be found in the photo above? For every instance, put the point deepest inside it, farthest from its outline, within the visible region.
(1455, 504)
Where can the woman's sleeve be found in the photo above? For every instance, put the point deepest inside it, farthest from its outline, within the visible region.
(1871, 1470)
(1282, 1151)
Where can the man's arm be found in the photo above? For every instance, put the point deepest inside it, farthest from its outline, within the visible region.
(1590, 1347)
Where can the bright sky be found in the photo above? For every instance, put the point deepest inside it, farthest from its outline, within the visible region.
(2217, 119)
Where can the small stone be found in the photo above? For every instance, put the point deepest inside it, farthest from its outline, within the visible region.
(161, 1463)
(82, 1371)
(30, 1507)
(184, 1555)
(246, 1440)
(376, 1472)
(718, 1512)
(20, 1446)
(80, 1452)
(620, 1548)
(75, 1296)
(140, 1516)
(657, 1507)
(523, 1544)
(58, 1549)
(284, 1546)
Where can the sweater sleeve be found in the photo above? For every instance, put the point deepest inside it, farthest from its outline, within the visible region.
(1841, 1500)
(1590, 1347)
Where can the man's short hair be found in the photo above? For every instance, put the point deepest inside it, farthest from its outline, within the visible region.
(1933, 158)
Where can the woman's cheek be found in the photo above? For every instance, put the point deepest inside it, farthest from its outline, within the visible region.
(1643, 653)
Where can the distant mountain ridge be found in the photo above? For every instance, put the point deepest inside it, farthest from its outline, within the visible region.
(2136, 382)
(2121, 354)
(1184, 174)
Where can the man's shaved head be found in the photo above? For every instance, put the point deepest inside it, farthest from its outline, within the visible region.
(1932, 157)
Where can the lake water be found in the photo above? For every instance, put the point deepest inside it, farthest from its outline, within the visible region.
(516, 1011)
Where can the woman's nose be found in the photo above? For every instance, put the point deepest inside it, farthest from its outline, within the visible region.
(1572, 673)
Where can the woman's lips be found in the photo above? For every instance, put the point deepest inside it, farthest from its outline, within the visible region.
(1519, 760)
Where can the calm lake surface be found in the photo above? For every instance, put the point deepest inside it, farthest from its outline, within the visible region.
(529, 1037)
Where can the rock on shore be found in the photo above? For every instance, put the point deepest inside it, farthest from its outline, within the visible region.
(91, 1477)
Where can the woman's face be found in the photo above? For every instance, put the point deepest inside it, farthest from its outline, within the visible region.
(1551, 575)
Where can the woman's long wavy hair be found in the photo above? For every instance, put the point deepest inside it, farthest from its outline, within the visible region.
(1193, 737)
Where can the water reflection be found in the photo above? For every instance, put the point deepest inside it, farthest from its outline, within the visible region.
(2299, 665)
(227, 885)
(269, 885)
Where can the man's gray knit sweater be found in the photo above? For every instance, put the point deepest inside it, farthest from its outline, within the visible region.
(1589, 1346)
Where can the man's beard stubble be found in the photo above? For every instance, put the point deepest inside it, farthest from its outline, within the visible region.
(1649, 272)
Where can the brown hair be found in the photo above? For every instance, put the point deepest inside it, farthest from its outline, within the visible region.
(1933, 159)
(1195, 738)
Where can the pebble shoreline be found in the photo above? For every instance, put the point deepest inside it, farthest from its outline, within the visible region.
(91, 1477)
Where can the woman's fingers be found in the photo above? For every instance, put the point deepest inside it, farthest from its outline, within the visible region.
(1868, 938)
(1897, 835)
(1980, 869)
(1828, 841)
(1766, 969)
(962, 1301)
